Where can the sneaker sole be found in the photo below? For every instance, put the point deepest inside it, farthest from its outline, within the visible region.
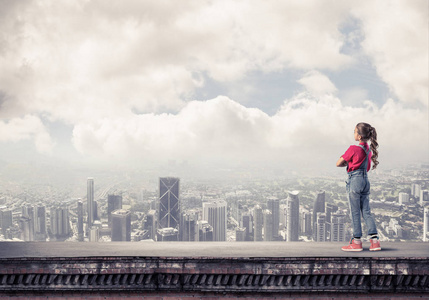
(375, 249)
(352, 250)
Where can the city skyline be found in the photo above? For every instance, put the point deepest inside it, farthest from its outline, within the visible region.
(211, 85)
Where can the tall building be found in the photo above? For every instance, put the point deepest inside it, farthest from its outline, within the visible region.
(268, 225)
(240, 234)
(90, 201)
(40, 223)
(424, 197)
(306, 224)
(258, 221)
(168, 234)
(150, 224)
(338, 231)
(80, 232)
(320, 227)
(188, 227)
(215, 213)
(293, 216)
(415, 190)
(121, 225)
(60, 222)
(169, 204)
(27, 229)
(248, 225)
(403, 198)
(329, 210)
(205, 231)
(94, 234)
(114, 202)
(425, 224)
(318, 206)
(6, 219)
(274, 207)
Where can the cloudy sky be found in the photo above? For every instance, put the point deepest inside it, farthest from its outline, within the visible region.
(229, 82)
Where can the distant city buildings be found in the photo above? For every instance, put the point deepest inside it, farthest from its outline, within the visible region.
(80, 231)
(320, 227)
(121, 225)
(258, 223)
(318, 207)
(169, 204)
(293, 216)
(60, 223)
(274, 206)
(268, 225)
(425, 224)
(338, 230)
(215, 214)
(403, 198)
(114, 202)
(90, 201)
(424, 197)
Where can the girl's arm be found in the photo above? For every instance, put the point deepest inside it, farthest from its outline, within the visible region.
(341, 162)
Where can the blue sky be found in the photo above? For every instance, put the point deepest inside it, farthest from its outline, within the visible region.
(228, 82)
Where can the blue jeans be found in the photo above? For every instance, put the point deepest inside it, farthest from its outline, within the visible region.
(358, 193)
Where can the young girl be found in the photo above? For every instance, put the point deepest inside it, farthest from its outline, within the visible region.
(358, 161)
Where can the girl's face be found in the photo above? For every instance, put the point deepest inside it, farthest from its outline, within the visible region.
(357, 136)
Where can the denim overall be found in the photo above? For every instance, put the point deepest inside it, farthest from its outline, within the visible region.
(357, 186)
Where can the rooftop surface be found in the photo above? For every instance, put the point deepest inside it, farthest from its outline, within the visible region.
(205, 249)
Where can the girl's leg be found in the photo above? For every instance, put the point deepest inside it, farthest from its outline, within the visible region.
(354, 203)
(367, 216)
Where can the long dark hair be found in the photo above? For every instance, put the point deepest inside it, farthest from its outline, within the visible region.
(367, 132)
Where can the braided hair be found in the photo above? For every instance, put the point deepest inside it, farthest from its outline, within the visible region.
(367, 132)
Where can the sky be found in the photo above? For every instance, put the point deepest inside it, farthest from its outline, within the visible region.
(212, 83)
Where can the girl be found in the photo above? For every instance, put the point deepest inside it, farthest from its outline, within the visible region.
(358, 159)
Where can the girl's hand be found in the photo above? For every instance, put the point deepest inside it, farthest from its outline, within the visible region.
(341, 162)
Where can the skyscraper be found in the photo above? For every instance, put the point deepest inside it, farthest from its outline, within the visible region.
(240, 234)
(60, 222)
(306, 224)
(205, 231)
(425, 224)
(169, 204)
(80, 232)
(40, 223)
(90, 200)
(415, 190)
(274, 207)
(188, 227)
(114, 202)
(293, 216)
(424, 197)
(27, 229)
(6, 219)
(320, 227)
(121, 225)
(150, 224)
(330, 209)
(268, 225)
(215, 213)
(338, 232)
(318, 206)
(248, 225)
(258, 221)
(403, 198)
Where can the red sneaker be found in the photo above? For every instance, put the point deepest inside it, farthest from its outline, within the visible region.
(355, 245)
(375, 245)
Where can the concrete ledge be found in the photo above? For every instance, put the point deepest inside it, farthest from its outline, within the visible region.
(187, 274)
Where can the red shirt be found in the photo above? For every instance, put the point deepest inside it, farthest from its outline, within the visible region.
(355, 156)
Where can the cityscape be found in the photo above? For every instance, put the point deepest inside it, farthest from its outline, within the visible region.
(137, 207)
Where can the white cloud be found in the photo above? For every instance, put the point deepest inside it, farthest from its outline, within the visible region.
(317, 83)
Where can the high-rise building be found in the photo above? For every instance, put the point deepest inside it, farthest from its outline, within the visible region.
(403, 198)
(329, 210)
(306, 224)
(293, 216)
(60, 222)
(94, 234)
(6, 219)
(215, 213)
(80, 232)
(240, 234)
(27, 229)
(90, 201)
(169, 204)
(150, 224)
(168, 234)
(188, 227)
(338, 232)
(248, 225)
(121, 225)
(114, 202)
(258, 221)
(320, 227)
(40, 223)
(318, 206)
(425, 224)
(424, 197)
(268, 225)
(274, 207)
(205, 231)
(415, 190)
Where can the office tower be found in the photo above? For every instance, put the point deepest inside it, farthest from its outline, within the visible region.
(248, 225)
(283, 216)
(6, 219)
(114, 202)
(403, 198)
(240, 234)
(80, 232)
(274, 207)
(90, 201)
(320, 227)
(95, 211)
(424, 197)
(188, 227)
(306, 224)
(169, 204)
(121, 225)
(268, 225)
(150, 224)
(215, 213)
(94, 234)
(168, 234)
(329, 209)
(40, 223)
(318, 206)
(205, 231)
(258, 221)
(425, 224)
(415, 190)
(27, 229)
(338, 232)
(293, 216)
(60, 222)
